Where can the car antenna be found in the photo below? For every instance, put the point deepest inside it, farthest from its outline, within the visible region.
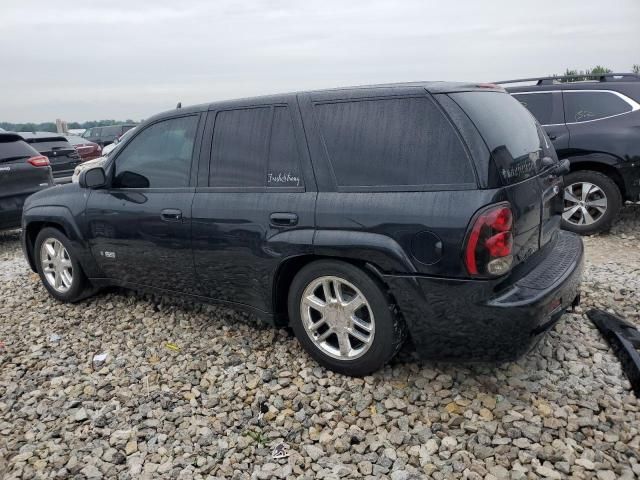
(179, 105)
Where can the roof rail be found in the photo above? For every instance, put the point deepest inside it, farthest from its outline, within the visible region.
(601, 77)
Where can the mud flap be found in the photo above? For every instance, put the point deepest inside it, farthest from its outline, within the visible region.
(624, 339)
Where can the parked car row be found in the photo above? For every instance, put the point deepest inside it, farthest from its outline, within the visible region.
(356, 216)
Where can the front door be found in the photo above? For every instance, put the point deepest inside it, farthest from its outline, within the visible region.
(139, 228)
(254, 206)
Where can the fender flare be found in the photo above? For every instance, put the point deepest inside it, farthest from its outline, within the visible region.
(375, 249)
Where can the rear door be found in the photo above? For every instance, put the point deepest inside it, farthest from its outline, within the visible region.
(547, 108)
(254, 205)
(518, 148)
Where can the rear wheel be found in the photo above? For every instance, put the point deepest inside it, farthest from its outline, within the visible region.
(58, 266)
(591, 202)
(343, 318)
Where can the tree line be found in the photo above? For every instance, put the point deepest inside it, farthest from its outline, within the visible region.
(51, 126)
(589, 73)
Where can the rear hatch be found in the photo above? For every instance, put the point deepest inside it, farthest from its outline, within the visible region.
(523, 163)
(62, 155)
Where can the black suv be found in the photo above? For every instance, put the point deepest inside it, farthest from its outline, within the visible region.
(354, 215)
(104, 136)
(63, 156)
(595, 124)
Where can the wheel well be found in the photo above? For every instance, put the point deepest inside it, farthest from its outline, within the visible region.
(290, 268)
(603, 168)
(30, 234)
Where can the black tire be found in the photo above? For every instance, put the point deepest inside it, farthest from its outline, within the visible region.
(613, 197)
(80, 287)
(389, 330)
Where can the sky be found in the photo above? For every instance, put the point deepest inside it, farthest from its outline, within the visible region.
(113, 59)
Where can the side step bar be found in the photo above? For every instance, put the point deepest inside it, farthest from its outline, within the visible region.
(624, 339)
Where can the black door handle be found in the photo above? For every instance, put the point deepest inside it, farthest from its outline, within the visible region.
(171, 215)
(281, 219)
(552, 137)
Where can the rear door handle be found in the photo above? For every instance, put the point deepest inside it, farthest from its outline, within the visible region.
(171, 215)
(282, 219)
(553, 137)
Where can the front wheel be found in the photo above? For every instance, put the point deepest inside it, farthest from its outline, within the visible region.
(343, 318)
(591, 202)
(58, 268)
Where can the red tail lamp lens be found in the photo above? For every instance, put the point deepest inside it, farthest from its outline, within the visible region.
(490, 239)
(39, 161)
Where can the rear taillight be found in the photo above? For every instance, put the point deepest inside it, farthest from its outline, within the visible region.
(489, 246)
(39, 161)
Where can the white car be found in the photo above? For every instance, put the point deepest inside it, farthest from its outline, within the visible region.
(96, 162)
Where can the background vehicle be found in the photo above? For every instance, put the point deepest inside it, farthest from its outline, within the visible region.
(103, 136)
(96, 162)
(63, 157)
(86, 149)
(354, 215)
(23, 171)
(109, 148)
(594, 124)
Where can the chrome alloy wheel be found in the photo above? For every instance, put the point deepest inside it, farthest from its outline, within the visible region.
(584, 203)
(56, 265)
(337, 317)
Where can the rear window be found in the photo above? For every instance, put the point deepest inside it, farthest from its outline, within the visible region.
(585, 106)
(392, 142)
(49, 144)
(11, 150)
(508, 129)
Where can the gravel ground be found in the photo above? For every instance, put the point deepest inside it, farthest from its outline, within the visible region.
(191, 391)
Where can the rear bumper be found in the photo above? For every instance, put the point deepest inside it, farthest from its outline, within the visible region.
(473, 320)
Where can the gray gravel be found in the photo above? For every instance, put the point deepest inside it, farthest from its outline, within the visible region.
(190, 391)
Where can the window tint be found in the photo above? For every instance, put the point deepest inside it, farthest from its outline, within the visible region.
(541, 106)
(584, 106)
(392, 142)
(254, 147)
(158, 157)
(283, 168)
(11, 150)
(508, 129)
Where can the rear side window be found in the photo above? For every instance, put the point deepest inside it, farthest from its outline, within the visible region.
(254, 147)
(395, 142)
(11, 150)
(508, 129)
(159, 156)
(585, 106)
(111, 131)
(541, 105)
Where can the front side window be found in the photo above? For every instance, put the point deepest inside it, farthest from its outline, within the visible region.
(585, 106)
(158, 157)
(541, 105)
(254, 147)
(392, 142)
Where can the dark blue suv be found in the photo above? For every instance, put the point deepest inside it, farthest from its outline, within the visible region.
(356, 216)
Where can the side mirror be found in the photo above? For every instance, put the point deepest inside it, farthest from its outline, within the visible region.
(93, 178)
